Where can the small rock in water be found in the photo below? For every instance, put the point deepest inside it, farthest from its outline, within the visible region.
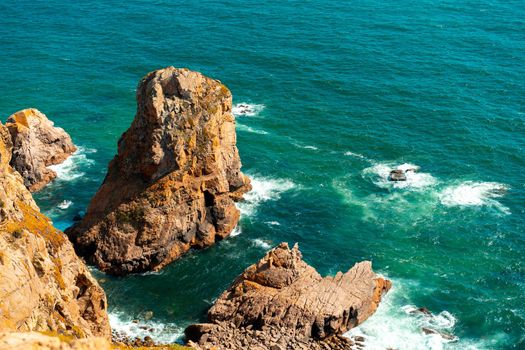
(148, 315)
(397, 175)
(442, 334)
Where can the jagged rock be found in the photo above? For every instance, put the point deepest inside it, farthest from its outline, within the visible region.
(39, 341)
(397, 175)
(283, 298)
(44, 286)
(173, 183)
(37, 144)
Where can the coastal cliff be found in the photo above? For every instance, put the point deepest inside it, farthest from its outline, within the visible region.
(173, 183)
(37, 144)
(44, 286)
(283, 303)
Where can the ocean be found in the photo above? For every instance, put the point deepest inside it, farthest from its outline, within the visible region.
(341, 92)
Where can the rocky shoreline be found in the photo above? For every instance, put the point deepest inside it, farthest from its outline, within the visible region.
(171, 187)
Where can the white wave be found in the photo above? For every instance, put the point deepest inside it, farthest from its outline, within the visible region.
(356, 155)
(472, 193)
(264, 244)
(380, 174)
(236, 231)
(395, 326)
(247, 128)
(71, 168)
(273, 223)
(160, 332)
(244, 109)
(298, 145)
(263, 190)
(64, 204)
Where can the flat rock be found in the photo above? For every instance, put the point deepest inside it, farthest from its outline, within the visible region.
(283, 298)
(37, 144)
(173, 183)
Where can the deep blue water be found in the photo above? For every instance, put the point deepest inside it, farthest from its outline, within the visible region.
(347, 91)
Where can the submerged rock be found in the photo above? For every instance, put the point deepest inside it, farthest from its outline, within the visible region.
(173, 183)
(37, 144)
(397, 175)
(44, 286)
(282, 300)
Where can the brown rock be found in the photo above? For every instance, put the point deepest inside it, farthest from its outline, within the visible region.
(173, 183)
(397, 175)
(44, 286)
(37, 144)
(39, 341)
(282, 296)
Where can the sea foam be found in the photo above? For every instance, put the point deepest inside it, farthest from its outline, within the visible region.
(472, 193)
(395, 325)
(71, 168)
(415, 180)
(247, 128)
(64, 204)
(244, 109)
(160, 332)
(263, 190)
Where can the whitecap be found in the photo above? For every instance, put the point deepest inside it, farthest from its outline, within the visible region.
(310, 147)
(380, 173)
(236, 231)
(264, 244)
(356, 155)
(273, 223)
(263, 190)
(64, 204)
(160, 332)
(244, 109)
(247, 128)
(71, 168)
(472, 193)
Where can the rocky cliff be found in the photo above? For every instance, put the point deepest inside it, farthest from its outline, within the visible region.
(44, 286)
(37, 144)
(173, 183)
(283, 303)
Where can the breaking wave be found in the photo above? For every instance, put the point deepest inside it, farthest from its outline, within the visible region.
(472, 193)
(247, 128)
(263, 190)
(379, 175)
(244, 109)
(71, 168)
(160, 332)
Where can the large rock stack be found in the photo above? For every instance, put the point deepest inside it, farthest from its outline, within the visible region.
(173, 183)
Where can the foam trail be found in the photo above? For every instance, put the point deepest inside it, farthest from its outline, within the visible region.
(236, 231)
(64, 204)
(244, 109)
(247, 128)
(264, 244)
(70, 169)
(263, 190)
(356, 155)
(472, 193)
(160, 332)
(379, 175)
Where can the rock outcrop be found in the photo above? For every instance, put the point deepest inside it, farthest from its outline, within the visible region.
(39, 341)
(37, 144)
(44, 286)
(283, 303)
(173, 183)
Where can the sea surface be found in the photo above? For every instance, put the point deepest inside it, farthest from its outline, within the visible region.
(340, 93)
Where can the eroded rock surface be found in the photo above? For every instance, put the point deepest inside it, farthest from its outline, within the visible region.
(39, 341)
(283, 303)
(173, 183)
(44, 286)
(37, 144)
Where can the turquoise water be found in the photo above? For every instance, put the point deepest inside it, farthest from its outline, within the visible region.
(347, 91)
